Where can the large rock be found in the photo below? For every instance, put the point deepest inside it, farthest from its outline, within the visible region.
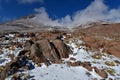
(43, 51)
(36, 54)
(62, 48)
(48, 50)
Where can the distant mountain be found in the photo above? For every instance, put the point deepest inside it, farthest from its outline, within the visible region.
(27, 24)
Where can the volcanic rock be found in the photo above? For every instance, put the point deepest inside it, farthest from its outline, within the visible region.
(36, 54)
(42, 51)
(62, 48)
(46, 51)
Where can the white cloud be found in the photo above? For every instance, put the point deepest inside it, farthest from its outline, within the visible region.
(97, 10)
(30, 1)
(43, 18)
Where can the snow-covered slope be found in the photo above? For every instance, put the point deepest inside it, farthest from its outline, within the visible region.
(84, 55)
(61, 72)
(66, 72)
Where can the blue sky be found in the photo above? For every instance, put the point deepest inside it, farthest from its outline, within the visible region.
(56, 9)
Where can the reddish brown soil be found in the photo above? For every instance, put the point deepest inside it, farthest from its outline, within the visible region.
(106, 36)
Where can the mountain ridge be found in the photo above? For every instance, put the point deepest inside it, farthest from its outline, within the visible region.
(26, 24)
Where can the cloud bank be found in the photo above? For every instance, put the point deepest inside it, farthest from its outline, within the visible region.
(96, 11)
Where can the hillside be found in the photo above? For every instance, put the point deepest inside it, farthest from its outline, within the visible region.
(31, 51)
(27, 24)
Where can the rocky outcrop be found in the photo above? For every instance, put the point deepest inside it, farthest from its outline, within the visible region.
(46, 51)
(62, 48)
(40, 51)
(36, 53)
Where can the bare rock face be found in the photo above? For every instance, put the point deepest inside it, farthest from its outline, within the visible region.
(62, 48)
(44, 51)
(36, 54)
(48, 50)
